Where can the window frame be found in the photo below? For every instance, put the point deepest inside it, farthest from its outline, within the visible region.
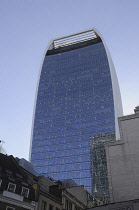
(9, 186)
(26, 196)
(44, 205)
(70, 206)
(51, 207)
(66, 205)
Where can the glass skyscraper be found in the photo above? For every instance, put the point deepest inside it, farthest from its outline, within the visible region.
(77, 98)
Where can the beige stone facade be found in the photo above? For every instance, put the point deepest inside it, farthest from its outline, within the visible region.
(123, 161)
(47, 202)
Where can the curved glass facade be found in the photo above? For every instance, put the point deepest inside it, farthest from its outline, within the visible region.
(74, 103)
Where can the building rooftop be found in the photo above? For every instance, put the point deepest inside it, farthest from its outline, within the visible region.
(27, 166)
(66, 183)
(12, 174)
(74, 41)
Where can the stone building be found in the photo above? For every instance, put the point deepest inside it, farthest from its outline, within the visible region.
(16, 193)
(125, 205)
(52, 195)
(123, 160)
(74, 197)
(21, 188)
(44, 199)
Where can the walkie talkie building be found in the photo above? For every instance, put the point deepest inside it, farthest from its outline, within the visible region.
(77, 98)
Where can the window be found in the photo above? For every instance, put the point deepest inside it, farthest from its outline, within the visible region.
(9, 208)
(67, 205)
(11, 187)
(44, 204)
(25, 192)
(70, 206)
(50, 207)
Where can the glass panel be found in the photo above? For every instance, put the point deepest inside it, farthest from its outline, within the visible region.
(74, 103)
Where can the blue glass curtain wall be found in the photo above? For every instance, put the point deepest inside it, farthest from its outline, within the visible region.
(74, 103)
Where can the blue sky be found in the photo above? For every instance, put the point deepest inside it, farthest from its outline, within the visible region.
(27, 26)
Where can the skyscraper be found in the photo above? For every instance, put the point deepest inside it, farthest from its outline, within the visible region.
(77, 98)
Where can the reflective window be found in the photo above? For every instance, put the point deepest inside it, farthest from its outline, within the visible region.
(74, 103)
